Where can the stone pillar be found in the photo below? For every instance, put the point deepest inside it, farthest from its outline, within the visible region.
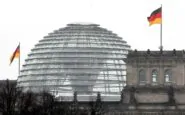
(131, 75)
(148, 76)
(161, 73)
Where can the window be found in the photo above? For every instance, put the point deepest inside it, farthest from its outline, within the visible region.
(154, 76)
(142, 76)
(168, 75)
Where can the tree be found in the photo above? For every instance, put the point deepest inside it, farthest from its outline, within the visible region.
(92, 107)
(46, 103)
(74, 106)
(8, 97)
(96, 107)
(98, 104)
(133, 100)
(122, 96)
(26, 103)
(171, 99)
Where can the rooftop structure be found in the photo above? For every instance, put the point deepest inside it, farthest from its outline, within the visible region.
(82, 58)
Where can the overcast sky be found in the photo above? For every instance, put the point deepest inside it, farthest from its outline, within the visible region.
(28, 21)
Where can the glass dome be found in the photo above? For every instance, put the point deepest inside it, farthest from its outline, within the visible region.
(84, 58)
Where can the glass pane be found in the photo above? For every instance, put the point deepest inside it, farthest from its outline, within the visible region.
(142, 76)
(168, 76)
(154, 79)
(167, 79)
(154, 76)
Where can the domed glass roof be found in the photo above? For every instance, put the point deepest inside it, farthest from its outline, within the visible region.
(80, 57)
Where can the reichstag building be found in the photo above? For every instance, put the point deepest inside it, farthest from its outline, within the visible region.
(89, 59)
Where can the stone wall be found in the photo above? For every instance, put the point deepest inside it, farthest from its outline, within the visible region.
(146, 113)
(154, 97)
(149, 97)
(155, 60)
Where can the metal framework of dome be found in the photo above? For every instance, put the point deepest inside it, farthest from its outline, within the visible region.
(85, 58)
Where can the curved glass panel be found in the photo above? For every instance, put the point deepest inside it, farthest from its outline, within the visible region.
(83, 58)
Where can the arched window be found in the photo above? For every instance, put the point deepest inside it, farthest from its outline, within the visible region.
(154, 76)
(142, 76)
(168, 75)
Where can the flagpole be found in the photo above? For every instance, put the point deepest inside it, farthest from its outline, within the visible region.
(161, 46)
(19, 58)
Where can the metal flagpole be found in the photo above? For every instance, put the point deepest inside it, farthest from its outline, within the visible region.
(161, 46)
(19, 58)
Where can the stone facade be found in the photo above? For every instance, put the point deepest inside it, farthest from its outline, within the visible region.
(155, 82)
(160, 92)
(161, 61)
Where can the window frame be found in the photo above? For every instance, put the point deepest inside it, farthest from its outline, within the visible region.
(169, 73)
(144, 76)
(157, 75)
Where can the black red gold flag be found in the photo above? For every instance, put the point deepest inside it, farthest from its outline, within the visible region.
(16, 54)
(155, 17)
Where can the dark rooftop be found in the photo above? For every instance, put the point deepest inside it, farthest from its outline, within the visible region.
(148, 53)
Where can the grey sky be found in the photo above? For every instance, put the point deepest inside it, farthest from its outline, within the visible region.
(28, 21)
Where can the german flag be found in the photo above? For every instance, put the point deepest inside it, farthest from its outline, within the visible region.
(16, 54)
(155, 17)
